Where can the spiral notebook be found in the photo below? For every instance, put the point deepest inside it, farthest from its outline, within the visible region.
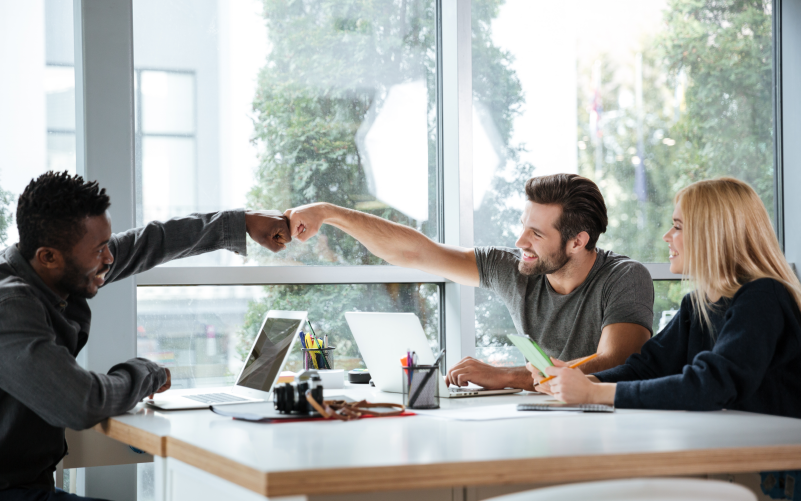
(566, 407)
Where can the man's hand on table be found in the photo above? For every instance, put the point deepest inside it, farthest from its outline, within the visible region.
(470, 370)
(165, 386)
(268, 228)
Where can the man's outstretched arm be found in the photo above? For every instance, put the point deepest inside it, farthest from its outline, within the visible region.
(392, 242)
(141, 249)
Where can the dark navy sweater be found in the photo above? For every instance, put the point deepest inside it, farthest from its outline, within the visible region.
(753, 362)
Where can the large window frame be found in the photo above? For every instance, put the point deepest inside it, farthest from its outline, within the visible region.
(454, 137)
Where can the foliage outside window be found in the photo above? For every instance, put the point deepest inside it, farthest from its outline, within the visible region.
(690, 100)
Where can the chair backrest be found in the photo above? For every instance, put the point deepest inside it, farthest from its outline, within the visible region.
(639, 489)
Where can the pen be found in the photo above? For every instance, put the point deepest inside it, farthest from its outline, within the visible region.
(571, 367)
(414, 366)
(323, 343)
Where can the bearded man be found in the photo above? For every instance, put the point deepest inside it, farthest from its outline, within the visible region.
(570, 297)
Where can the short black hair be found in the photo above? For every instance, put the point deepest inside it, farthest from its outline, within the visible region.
(51, 210)
(583, 207)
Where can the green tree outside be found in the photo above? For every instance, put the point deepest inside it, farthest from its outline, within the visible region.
(719, 55)
(331, 61)
(6, 218)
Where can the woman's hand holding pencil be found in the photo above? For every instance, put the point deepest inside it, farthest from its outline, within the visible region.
(572, 386)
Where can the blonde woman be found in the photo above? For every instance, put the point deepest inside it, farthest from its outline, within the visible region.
(736, 341)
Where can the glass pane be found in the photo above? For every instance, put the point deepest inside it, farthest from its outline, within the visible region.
(667, 299)
(297, 102)
(642, 97)
(168, 102)
(633, 95)
(203, 334)
(168, 177)
(60, 92)
(61, 151)
(36, 98)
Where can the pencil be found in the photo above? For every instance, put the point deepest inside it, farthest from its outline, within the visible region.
(571, 367)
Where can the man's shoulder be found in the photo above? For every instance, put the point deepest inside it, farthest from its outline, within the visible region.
(619, 270)
(498, 267)
(12, 285)
(498, 256)
(614, 263)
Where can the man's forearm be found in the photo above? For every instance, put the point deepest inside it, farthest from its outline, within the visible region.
(520, 377)
(395, 243)
(392, 242)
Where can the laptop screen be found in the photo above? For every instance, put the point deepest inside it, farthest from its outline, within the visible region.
(268, 353)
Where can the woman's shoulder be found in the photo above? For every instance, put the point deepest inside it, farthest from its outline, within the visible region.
(764, 286)
(766, 297)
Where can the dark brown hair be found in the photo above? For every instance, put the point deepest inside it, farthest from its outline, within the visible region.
(583, 207)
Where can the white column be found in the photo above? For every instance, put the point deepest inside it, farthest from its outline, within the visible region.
(457, 111)
(105, 152)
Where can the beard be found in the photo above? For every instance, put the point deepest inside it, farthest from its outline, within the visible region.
(545, 265)
(77, 282)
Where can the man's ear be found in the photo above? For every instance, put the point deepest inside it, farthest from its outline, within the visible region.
(578, 242)
(48, 257)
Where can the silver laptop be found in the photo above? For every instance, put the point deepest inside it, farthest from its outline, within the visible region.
(259, 373)
(383, 339)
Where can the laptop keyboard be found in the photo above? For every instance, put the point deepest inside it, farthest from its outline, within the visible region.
(216, 398)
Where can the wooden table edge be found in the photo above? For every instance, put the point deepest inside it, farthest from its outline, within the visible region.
(472, 473)
(131, 435)
(497, 472)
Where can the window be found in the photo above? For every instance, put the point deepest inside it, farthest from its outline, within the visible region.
(290, 104)
(643, 98)
(165, 145)
(37, 96)
(273, 107)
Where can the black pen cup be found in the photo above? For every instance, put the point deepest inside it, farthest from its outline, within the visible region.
(318, 358)
(421, 386)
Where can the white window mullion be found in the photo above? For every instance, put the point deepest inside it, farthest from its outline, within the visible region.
(457, 107)
(283, 275)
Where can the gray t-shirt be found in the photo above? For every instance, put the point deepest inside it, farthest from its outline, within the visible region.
(617, 290)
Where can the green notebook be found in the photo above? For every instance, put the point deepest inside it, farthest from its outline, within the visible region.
(531, 351)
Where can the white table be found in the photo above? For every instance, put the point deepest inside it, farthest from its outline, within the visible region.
(200, 455)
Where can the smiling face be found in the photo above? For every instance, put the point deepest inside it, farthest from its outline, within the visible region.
(540, 242)
(85, 267)
(675, 240)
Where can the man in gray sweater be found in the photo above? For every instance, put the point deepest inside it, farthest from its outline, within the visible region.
(65, 254)
(561, 290)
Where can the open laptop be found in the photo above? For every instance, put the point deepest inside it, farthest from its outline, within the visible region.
(259, 373)
(383, 339)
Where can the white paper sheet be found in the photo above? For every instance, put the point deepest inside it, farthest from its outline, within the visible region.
(486, 413)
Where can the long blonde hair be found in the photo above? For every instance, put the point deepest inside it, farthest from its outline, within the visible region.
(729, 241)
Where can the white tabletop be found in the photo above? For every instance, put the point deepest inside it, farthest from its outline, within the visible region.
(671, 439)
